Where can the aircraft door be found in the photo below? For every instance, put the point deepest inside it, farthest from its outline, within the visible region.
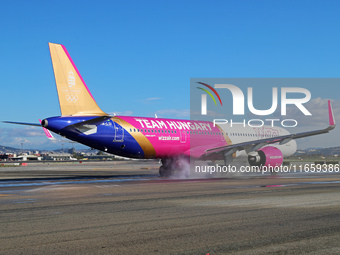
(183, 136)
(222, 134)
(119, 131)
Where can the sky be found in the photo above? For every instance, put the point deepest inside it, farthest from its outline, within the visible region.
(137, 57)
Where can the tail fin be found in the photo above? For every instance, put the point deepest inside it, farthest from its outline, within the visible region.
(75, 99)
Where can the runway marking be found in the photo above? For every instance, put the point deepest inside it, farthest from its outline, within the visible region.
(297, 201)
(93, 180)
(109, 181)
(24, 201)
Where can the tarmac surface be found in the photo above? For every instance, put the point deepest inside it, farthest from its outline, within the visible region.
(126, 208)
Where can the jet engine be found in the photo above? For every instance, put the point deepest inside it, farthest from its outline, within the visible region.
(267, 156)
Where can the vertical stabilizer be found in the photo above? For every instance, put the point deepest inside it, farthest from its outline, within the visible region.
(75, 99)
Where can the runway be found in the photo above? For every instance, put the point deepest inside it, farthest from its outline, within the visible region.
(125, 208)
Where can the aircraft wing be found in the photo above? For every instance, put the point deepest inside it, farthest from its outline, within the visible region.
(257, 144)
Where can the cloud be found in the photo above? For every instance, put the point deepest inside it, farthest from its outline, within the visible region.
(124, 113)
(22, 132)
(319, 119)
(32, 137)
(174, 113)
(318, 107)
(153, 98)
(210, 114)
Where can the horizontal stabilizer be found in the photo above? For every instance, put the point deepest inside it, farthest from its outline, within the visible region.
(48, 133)
(22, 123)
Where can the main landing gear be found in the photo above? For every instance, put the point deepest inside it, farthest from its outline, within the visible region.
(178, 166)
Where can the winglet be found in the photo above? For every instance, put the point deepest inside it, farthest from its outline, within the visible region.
(331, 115)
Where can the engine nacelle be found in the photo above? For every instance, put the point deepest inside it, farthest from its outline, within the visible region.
(267, 156)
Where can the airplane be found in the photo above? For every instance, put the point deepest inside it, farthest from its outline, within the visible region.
(170, 140)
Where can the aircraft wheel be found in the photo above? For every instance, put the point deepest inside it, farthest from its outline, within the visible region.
(163, 171)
